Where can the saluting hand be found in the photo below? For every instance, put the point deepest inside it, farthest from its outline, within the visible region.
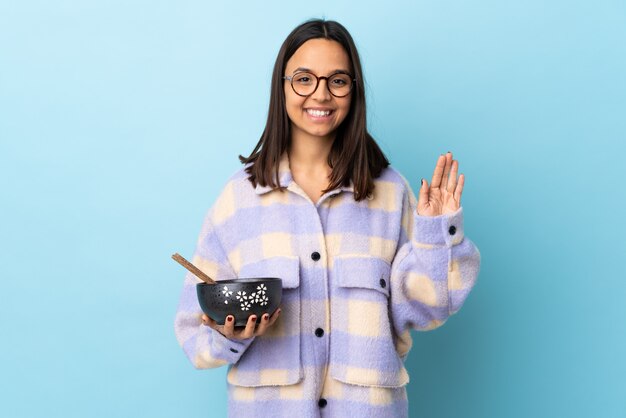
(443, 196)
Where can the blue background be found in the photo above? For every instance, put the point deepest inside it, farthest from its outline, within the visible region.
(121, 121)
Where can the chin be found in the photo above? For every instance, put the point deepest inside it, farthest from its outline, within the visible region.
(322, 134)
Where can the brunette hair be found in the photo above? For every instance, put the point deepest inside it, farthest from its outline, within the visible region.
(354, 153)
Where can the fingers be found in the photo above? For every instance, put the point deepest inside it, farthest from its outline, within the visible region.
(422, 199)
(229, 327)
(435, 182)
(459, 188)
(248, 332)
(452, 180)
(209, 322)
(265, 319)
(267, 322)
(446, 171)
(274, 317)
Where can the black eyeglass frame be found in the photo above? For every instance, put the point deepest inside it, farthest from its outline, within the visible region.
(317, 82)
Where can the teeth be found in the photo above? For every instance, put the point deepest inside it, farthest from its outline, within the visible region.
(318, 112)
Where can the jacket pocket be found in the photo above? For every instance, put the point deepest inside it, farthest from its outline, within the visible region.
(362, 348)
(273, 359)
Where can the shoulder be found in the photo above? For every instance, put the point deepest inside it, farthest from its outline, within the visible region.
(392, 176)
(394, 185)
(237, 192)
(238, 177)
(236, 180)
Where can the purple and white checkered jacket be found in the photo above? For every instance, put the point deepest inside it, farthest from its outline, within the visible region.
(339, 345)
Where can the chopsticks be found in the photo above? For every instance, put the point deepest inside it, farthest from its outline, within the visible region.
(195, 270)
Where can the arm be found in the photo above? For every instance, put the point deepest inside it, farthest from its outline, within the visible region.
(435, 266)
(204, 346)
(432, 273)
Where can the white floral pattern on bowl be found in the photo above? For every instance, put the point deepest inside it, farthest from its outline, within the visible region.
(246, 301)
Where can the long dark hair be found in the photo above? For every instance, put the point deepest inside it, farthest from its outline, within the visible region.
(354, 153)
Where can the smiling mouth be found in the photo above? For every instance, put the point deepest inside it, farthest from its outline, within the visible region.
(319, 113)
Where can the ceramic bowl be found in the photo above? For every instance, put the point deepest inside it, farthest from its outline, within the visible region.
(240, 298)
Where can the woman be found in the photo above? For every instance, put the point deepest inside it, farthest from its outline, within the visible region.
(362, 262)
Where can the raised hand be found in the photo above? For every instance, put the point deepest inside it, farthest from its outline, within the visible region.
(443, 196)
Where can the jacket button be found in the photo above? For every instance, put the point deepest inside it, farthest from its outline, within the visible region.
(315, 256)
(234, 350)
(322, 403)
(452, 230)
(319, 332)
(383, 283)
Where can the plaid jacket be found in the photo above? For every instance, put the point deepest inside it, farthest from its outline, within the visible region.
(346, 315)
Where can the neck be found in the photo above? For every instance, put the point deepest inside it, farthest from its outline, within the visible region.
(309, 153)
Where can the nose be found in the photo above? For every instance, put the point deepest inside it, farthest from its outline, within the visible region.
(321, 92)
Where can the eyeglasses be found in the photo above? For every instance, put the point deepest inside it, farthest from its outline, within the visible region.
(305, 84)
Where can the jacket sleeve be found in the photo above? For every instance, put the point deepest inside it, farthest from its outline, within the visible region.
(205, 347)
(434, 269)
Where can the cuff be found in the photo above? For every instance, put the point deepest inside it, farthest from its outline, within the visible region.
(227, 349)
(442, 230)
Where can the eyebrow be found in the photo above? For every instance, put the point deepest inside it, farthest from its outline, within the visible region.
(338, 70)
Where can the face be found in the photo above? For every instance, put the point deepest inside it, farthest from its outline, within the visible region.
(321, 57)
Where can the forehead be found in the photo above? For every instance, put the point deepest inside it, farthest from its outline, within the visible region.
(322, 56)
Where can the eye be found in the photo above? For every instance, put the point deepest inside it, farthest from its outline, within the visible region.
(302, 78)
(340, 80)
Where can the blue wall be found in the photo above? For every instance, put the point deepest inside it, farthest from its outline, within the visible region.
(120, 121)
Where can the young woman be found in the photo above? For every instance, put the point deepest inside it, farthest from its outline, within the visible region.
(362, 261)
